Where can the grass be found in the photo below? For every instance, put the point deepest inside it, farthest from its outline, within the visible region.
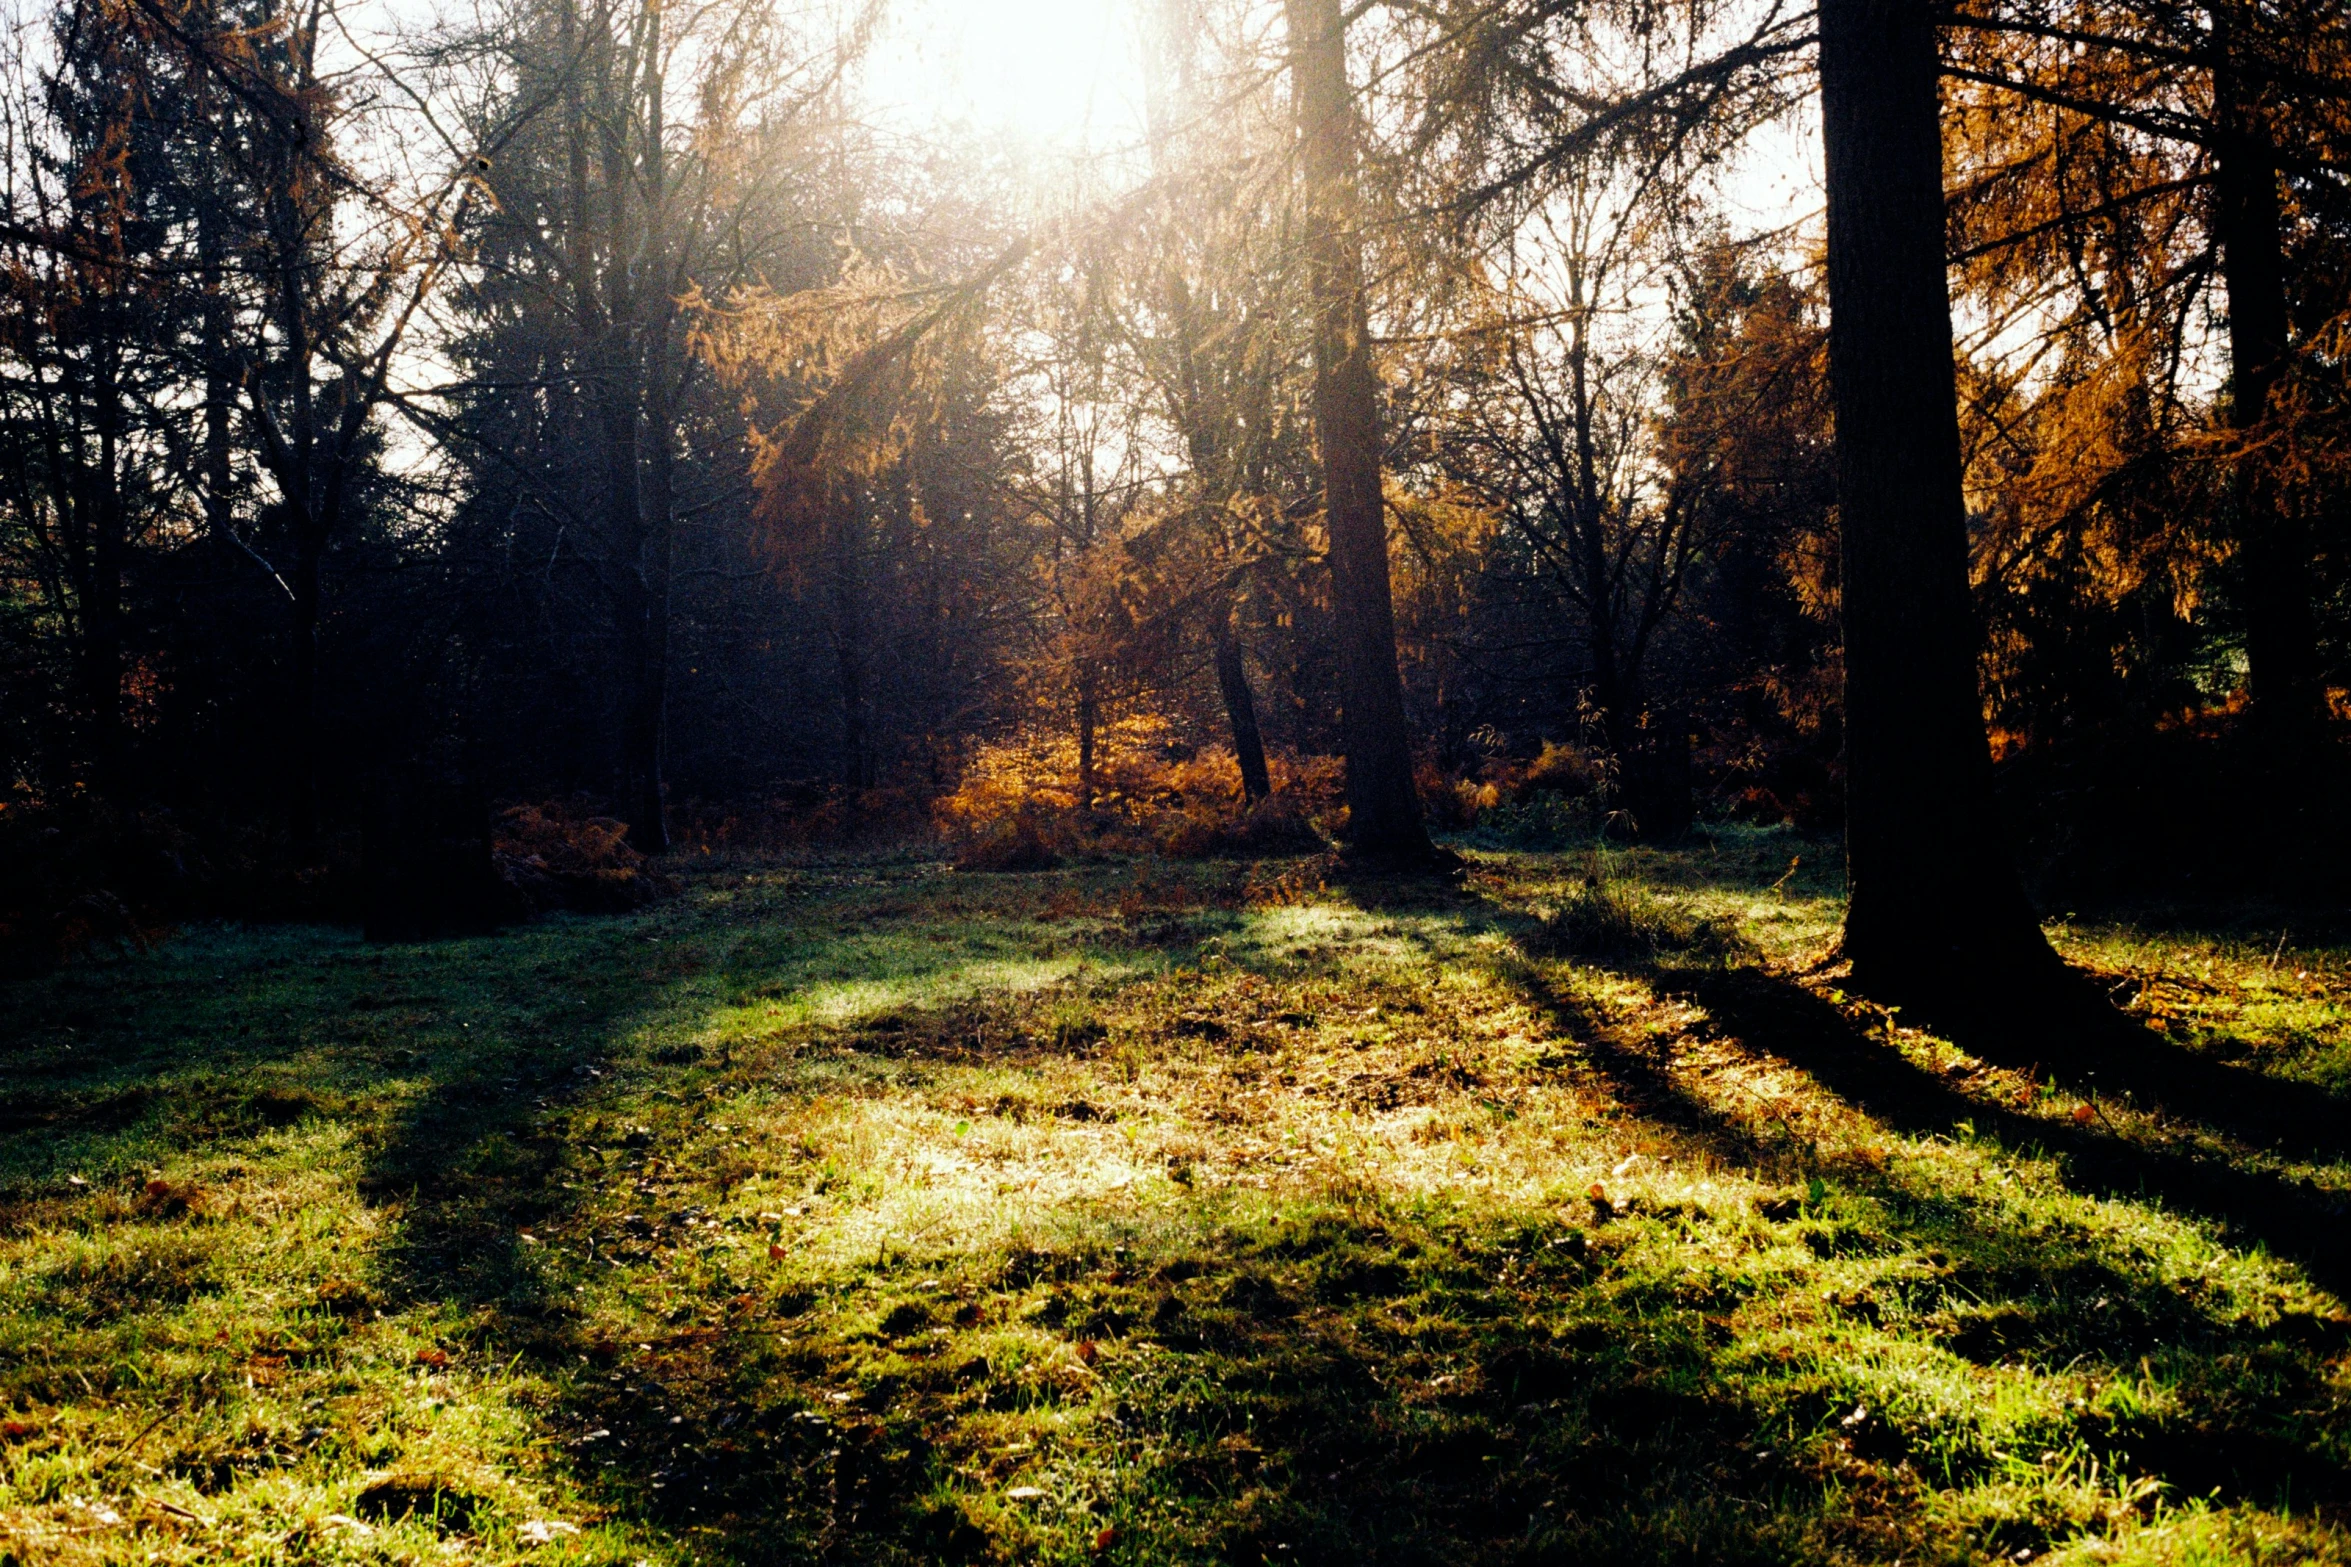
(1144, 1213)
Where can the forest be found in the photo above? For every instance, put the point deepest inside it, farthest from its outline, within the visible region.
(1175, 781)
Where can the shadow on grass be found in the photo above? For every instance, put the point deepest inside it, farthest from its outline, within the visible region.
(2085, 1042)
(2048, 1294)
(1282, 1407)
(1363, 1380)
(1580, 1417)
(1776, 1016)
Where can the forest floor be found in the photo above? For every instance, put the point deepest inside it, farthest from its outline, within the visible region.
(1144, 1213)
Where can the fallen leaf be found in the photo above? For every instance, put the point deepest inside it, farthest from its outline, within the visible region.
(434, 1358)
(528, 1239)
(1088, 1351)
(545, 1531)
(775, 1253)
(346, 1521)
(2083, 1115)
(1598, 1193)
(1023, 1493)
(1105, 1538)
(17, 1430)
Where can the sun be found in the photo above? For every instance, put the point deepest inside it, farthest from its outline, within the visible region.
(1053, 74)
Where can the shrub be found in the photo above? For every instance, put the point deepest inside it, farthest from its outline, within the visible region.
(557, 857)
(1565, 770)
(1151, 791)
(1272, 827)
(87, 880)
(1015, 843)
(1547, 821)
(1603, 917)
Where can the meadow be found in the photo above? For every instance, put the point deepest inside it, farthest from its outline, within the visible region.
(868, 1211)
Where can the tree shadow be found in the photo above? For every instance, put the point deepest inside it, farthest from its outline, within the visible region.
(1557, 1410)
(2082, 1039)
(1775, 1015)
(2000, 1291)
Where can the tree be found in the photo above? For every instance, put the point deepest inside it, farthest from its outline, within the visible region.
(1936, 909)
(2247, 103)
(85, 323)
(657, 154)
(1384, 820)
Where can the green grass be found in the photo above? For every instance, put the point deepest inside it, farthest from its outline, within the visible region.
(1149, 1213)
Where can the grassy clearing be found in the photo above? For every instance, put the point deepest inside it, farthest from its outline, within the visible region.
(1138, 1213)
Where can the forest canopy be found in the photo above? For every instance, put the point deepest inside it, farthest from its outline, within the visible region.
(1187, 423)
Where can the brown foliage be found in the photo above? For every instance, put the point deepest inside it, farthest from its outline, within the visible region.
(558, 858)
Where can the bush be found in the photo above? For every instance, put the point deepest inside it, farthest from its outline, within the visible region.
(87, 879)
(1565, 770)
(1272, 827)
(1547, 821)
(1152, 791)
(1607, 918)
(558, 857)
(1015, 843)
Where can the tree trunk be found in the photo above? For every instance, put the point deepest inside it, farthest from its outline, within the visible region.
(220, 381)
(1240, 706)
(1936, 909)
(1089, 720)
(849, 645)
(1383, 812)
(648, 719)
(303, 784)
(2281, 632)
(102, 603)
(1588, 509)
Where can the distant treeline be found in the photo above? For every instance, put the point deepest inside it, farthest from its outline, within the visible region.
(584, 398)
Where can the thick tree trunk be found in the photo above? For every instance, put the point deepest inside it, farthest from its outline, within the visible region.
(303, 782)
(648, 719)
(102, 599)
(1937, 910)
(2281, 630)
(1383, 812)
(1240, 706)
(639, 608)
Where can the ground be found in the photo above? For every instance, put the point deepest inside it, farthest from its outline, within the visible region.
(1140, 1212)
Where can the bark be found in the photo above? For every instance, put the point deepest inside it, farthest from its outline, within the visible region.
(849, 645)
(220, 381)
(1240, 705)
(2281, 631)
(1089, 720)
(297, 484)
(1384, 818)
(648, 715)
(102, 601)
(1936, 909)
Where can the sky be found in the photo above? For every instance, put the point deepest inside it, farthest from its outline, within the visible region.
(1062, 79)
(1054, 75)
